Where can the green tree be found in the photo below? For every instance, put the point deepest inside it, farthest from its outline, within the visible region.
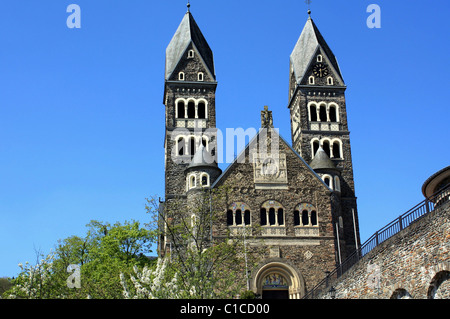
(102, 254)
(5, 284)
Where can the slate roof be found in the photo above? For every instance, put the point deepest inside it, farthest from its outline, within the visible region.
(305, 50)
(322, 161)
(429, 186)
(188, 32)
(202, 158)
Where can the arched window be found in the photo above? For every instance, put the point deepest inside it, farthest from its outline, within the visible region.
(307, 217)
(191, 110)
(229, 217)
(333, 113)
(190, 53)
(313, 112)
(323, 113)
(319, 58)
(201, 110)
(192, 181)
(238, 214)
(337, 184)
(313, 218)
(280, 216)
(327, 181)
(272, 214)
(180, 110)
(192, 145)
(200, 76)
(316, 145)
(180, 145)
(247, 217)
(329, 80)
(238, 217)
(311, 80)
(326, 147)
(337, 149)
(181, 76)
(296, 218)
(263, 216)
(205, 179)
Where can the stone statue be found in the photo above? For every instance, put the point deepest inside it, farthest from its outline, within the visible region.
(266, 117)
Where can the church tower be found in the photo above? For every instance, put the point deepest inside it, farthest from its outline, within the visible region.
(189, 99)
(319, 121)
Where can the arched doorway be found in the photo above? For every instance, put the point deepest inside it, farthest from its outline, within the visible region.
(275, 286)
(277, 280)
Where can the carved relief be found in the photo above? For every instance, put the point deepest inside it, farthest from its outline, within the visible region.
(270, 169)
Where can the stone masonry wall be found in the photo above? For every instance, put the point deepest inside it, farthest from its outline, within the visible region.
(415, 263)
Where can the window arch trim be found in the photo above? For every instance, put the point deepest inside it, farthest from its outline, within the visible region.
(316, 112)
(306, 211)
(207, 184)
(275, 214)
(196, 103)
(241, 214)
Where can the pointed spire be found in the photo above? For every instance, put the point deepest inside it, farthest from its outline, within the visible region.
(188, 32)
(306, 48)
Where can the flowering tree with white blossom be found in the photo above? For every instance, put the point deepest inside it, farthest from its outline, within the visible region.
(204, 267)
(150, 283)
(35, 282)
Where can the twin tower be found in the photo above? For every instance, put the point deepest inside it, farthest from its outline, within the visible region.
(303, 199)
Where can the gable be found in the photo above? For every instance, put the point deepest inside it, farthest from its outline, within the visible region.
(191, 64)
(261, 170)
(321, 69)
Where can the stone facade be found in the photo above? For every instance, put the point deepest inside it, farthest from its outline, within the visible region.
(298, 221)
(309, 252)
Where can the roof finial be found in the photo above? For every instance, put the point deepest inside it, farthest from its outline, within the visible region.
(308, 2)
(266, 117)
(188, 5)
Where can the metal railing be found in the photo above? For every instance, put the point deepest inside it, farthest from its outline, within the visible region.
(380, 236)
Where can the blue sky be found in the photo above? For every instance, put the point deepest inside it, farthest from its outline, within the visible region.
(82, 119)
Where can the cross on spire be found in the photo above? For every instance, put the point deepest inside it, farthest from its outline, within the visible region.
(308, 2)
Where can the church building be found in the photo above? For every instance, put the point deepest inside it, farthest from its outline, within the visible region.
(297, 197)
